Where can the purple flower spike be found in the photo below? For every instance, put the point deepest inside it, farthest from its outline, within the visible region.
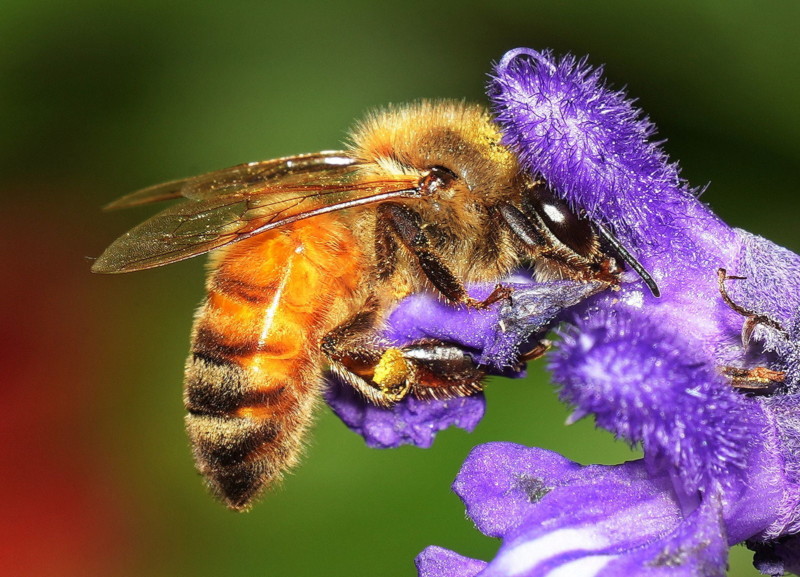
(648, 368)
(721, 465)
(706, 378)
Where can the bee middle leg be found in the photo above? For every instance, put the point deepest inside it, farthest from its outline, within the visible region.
(397, 221)
(429, 369)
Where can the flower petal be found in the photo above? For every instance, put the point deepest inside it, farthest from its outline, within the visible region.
(496, 336)
(500, 483)
(409, 422)
(439, 562)
(697, 546)
(528, 314)
(594, 520)
(560, 518)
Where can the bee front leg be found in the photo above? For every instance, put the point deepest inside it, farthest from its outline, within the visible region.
(752, 319)
(405, 224)
(758, 379)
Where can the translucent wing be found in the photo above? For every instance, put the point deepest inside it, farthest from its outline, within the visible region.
(237, 203)
(238, 178)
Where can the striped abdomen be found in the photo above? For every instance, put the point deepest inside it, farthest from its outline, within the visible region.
(253, 375)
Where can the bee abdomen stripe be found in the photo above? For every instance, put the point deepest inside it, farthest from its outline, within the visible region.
(219, 387)
(222, 442)
(211, 344)
(238, 289)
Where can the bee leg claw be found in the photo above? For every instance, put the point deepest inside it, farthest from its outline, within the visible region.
(536, 352)
(499, 293)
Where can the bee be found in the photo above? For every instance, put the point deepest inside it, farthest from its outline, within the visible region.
(311, 253)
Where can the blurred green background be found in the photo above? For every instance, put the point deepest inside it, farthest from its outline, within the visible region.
(99, 98)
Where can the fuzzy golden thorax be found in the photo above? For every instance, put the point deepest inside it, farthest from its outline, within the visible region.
(463, 139)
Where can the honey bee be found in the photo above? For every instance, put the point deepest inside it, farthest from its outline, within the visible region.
(311, 253)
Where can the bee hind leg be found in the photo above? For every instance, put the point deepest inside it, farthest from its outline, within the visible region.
(432, 369)
(429, 369)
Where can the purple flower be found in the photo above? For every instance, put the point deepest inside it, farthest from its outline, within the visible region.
(648, 368)
(720, 466)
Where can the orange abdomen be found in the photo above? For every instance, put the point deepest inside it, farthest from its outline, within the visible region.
(254, 372)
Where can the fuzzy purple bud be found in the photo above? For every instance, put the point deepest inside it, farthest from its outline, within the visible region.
(589, 142)
(644, 385)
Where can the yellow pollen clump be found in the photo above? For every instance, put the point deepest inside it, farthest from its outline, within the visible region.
(499, 154)
(392, 370)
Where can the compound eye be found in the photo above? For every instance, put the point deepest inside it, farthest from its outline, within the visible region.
(438, 178)
(567, 227)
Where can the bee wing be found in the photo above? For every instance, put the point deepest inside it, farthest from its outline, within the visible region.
(212, 218)
(237, 178)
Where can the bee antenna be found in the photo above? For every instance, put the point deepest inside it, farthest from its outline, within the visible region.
(629, 259)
